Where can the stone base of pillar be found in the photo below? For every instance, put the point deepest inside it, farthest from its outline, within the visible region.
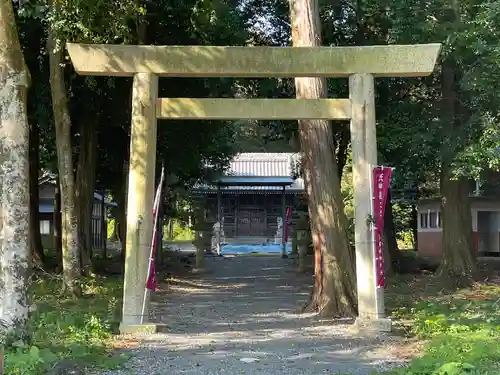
(142, 329)
(365, 325)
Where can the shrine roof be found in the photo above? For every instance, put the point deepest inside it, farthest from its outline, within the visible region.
(258, 171)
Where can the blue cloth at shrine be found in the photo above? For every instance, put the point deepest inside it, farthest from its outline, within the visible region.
(235, 249)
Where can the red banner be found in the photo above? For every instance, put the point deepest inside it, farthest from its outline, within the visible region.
(151, 282)
(381, 183)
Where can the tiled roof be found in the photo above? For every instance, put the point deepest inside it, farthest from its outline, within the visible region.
(262, 164)
(257, 165)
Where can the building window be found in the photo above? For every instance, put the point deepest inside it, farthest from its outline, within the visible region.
(430, 219)
(433, 220)
(423, 221)
(44, 226)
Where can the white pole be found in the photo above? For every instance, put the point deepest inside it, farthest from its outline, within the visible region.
(156, 206)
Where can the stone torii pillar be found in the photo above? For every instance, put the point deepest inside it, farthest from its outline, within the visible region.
(141, 186)
(371, 307)
(146, 63)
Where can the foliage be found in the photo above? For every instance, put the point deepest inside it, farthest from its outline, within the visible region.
(401, 211)
(64, 328)
(461, 326)
(181, 231)
(94, 21)
(111, 228)
(106, 100)
(348, 195)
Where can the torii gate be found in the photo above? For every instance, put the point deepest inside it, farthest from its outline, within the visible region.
(146, 63)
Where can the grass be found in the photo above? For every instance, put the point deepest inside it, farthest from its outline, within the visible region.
(79, 331)
(460, 326)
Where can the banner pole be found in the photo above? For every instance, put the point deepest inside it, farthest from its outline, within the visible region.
(156, 205)
(144, 300)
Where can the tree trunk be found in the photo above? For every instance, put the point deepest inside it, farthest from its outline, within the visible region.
(104, 224)
(57, 224)
(121, 219)
(36, 247)
(62, 121)
(343, 139)
(115, 237)
(171, 228)
(414, 225)
(14, 167)
(85, 186)
(458, 257)
(336, 296)
(200, 250)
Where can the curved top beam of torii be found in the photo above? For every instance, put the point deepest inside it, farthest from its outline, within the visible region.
(213, 61)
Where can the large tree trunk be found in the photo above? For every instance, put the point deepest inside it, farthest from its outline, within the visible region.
(336, 296)
(458, 257)
(36, 247)
(85, 186)
(14, 167)
(62, 121)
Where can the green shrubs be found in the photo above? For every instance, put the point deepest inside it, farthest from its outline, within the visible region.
(462, 329)
(63, 328)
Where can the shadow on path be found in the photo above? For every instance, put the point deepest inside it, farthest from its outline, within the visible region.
(242, 317)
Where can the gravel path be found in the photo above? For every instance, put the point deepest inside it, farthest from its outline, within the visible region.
(241, 317)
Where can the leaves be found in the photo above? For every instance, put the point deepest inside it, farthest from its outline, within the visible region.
(65, 328)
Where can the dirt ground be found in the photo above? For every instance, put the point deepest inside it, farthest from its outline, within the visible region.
(242, 316)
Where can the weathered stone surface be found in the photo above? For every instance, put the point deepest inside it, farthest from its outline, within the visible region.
(146, 328)
(253, 109)
(141, 187)
(210, 61)
(364, 157)
(363, 325)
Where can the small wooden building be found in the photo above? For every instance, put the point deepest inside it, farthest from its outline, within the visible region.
(252, 194)
(47, 200)
(485, 213)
